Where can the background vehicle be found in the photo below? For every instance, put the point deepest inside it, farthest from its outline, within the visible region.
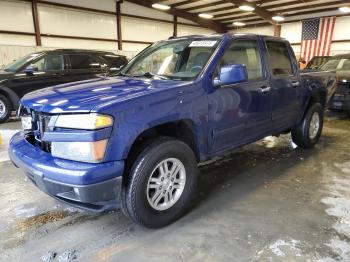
(47, 68)
(316, 62)
(340, 99)
(136, 139)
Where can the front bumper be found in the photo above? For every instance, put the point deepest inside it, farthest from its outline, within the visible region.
(89, 186)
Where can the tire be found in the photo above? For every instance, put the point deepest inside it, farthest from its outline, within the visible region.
(139, 189)
(5, 109)
(308, 132)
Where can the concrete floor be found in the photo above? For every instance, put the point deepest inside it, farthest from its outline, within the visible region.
(265, 202)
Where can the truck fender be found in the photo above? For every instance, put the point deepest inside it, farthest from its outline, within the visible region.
(12, 96)
(190, 126)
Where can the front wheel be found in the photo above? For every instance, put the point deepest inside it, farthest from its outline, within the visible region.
(161, 183)
(5, 109)
(308, 132)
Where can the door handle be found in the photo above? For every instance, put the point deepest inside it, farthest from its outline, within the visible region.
(265, 89)
(295, 83)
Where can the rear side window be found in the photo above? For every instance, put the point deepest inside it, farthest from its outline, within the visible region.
(80, 61)
(115, 61)
(279, 60)
(346, 65)
(244, 52)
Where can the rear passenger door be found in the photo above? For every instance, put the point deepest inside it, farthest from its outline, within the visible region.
(285, 83)
(82, 66)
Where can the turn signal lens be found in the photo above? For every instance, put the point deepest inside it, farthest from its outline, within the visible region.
(84, 121)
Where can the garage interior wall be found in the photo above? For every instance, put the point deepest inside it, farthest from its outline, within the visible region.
(63, 27)
(292, 32)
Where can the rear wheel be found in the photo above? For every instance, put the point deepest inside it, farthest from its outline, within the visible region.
(161, 183)
(308, 132)
(5, 109)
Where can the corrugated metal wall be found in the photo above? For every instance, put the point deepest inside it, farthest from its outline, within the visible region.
(17, 16)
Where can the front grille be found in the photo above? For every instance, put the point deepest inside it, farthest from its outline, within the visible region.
(40, 125)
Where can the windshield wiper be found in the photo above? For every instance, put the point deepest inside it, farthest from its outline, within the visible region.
(149, 75)
(120, 74)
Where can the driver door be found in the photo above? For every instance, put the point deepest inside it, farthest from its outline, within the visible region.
(242, 111)
(48, 72)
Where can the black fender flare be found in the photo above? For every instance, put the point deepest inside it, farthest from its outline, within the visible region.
(11, 95)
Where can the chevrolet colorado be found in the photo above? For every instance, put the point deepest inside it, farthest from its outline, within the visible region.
(135, 139)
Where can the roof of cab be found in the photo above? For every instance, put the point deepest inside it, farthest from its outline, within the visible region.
(69, 50)
(225, 34)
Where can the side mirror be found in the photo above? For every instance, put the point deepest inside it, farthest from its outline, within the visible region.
(231, 74)
(31, 69)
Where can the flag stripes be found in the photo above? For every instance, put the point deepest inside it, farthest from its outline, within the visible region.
(317, 36)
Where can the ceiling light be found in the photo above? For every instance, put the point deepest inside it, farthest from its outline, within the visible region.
(161, 6)
(344, 9)
(278, 18)
(238, 23)
(206, 16)
(247, 8)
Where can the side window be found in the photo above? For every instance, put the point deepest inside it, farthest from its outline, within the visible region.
(80, 61)
(97, 62)
(279, 60)
(244, 52)
(346, 65)
(50, 62)
(115, 61)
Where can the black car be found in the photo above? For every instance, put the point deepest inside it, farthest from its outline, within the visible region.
(341, 97)
(49, 68)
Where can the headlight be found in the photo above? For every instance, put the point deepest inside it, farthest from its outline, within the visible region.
(91, 152)
(84, 121)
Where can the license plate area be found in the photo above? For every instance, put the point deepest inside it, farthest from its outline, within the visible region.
(27, 123)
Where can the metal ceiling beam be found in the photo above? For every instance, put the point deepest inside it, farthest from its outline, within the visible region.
(194, 8)
(284, 10)
(186, 3)
(208, 23)
(291, 15)
(260, 11)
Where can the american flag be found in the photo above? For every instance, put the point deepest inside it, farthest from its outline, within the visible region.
(316, 39)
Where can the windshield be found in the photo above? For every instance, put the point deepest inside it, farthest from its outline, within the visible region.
(17, 64)
(337, 64)
(317, 62)
(175, 59)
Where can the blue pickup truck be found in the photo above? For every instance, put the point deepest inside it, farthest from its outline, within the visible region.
(134, 140)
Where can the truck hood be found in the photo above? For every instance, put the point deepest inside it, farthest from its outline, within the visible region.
(88, 95)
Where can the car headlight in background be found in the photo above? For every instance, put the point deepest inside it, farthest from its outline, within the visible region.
(84, 121)
(91, 152)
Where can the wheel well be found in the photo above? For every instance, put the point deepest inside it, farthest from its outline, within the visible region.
(318, 97)
(182, 130)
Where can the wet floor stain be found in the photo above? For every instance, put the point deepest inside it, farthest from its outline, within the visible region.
(24, 227)
(42, 219)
